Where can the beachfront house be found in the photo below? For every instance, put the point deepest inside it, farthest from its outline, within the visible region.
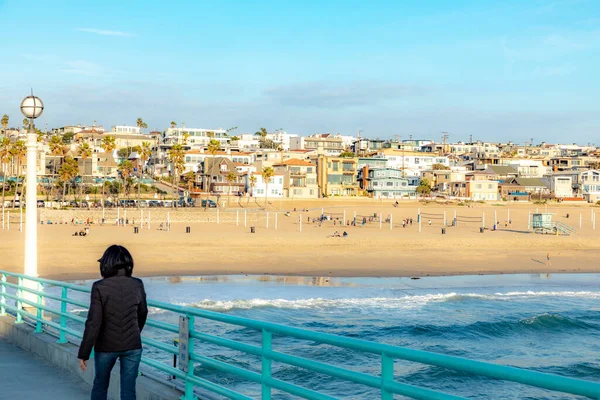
(560, 186)
(440, 180)
(300, 178)
(259, 190)
(389, 183)
(337, 176)
(590, 185)
(533, 186)
(213, 176)
(482, 190)
(412, 163)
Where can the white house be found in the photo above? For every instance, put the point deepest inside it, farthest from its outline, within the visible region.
(246, 141)
(275, 186)
(528, 168)
(560, 185)
(590, 185)
(197, 137)
(134, 130)
(413, 163)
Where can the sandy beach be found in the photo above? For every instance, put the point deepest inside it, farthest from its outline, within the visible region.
(370, 250)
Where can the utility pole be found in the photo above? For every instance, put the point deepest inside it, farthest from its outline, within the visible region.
(445, 138)
(531, 143)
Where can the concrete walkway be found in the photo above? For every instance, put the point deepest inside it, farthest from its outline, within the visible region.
(25, 376)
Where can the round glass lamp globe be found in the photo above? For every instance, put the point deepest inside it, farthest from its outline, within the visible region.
(32, 107)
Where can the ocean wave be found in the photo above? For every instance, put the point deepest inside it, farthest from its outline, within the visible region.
(406, 302)
(386, 303)
(546, 322)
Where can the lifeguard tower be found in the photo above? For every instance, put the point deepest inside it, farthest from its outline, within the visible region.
(542, 223)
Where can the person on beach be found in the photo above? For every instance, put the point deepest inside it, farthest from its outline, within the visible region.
(115, 320)
(548, 262)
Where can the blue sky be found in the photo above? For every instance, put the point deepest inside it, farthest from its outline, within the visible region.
(497, 70)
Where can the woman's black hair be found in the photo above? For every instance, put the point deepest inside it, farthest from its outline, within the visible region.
(115, 258)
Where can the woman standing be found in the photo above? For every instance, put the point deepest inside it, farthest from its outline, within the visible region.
(114, 324)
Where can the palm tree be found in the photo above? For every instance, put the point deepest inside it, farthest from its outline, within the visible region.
(25, 123)
(4, 157)
(85, 152)
(173, 124)
(145, 152)
(177, 157)
(267, 173)
(57, 149)
(185, 137)
(126, 169)
(4, 123)
(213, 148)
(190, 178)
(262, 133)
(231, 177)
(18, 151)
(68, 170)
(108, 145)
(252, 184)
(141, 124)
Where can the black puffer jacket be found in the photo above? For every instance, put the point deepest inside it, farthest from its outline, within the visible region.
(116, 317)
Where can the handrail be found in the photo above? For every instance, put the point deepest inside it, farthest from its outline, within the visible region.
(33, 298)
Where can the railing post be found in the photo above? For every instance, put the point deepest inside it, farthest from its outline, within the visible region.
(2, 298)
(387, 375)
(266, 364)
(19, 304)
(63, 320)
(40, 299)
(189, 386)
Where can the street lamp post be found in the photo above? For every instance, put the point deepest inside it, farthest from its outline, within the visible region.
(31, 107)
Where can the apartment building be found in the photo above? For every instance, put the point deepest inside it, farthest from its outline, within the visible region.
(324, 144)
(300, 178)
(388, 183)
(337, 176)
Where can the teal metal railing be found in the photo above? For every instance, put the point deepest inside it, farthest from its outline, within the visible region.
(385, 382)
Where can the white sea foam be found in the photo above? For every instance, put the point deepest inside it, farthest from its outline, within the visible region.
(385, 303)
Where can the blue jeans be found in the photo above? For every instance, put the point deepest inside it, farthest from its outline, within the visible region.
(104, 363)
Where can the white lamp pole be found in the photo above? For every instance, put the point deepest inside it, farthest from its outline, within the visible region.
(31, 107)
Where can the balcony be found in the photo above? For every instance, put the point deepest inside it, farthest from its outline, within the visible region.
(298, 174)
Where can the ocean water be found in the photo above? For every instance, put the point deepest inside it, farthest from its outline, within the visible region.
(547, 323)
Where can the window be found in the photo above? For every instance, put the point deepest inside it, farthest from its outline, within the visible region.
(389, 183)
(336, 166)
(334, 179)
(274, 191)
(490, 186)
(309, 170)
(312, 192)
(297, 192)
(223, 167)
(478, 186)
